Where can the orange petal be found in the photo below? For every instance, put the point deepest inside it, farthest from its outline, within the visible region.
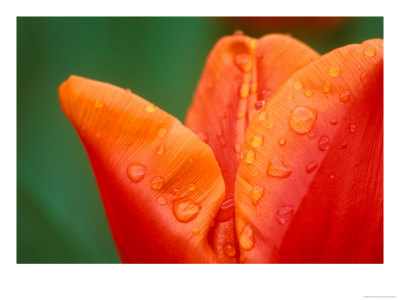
(239, 71)
(160, 185)
(320, 167)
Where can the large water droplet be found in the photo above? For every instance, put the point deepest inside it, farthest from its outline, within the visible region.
(278, 168)
(136, 171)
(323, 143)
(185, 210)
(243, 62)
(311, 166)
(256, 193)
(284, 214)
(369, 51)
(229, 249)
(334, 71)
(301, 119)
(257, 141)
(157, 183)
(226, 211)
(246, 238)
(345, 96)
(250, 156)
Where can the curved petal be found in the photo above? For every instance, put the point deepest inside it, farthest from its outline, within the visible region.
(313, 190)
(239, 71)
(159, 183)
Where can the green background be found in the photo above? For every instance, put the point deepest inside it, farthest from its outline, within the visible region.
(60, 218)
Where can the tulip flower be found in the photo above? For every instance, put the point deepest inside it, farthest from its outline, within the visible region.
(280, 159)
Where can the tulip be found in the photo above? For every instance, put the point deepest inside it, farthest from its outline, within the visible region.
(280, 159)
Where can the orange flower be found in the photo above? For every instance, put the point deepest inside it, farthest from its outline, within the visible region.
(280, 159)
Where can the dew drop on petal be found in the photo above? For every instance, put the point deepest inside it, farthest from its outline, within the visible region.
(256, 193)
(352, 127)
(270, 125)
(246, 238)
(284, 214)
(162, 132)
(257, 141)
(229, 249)
(263, 116)
(278, 168)
(308, 93)
(301, 119)
(196, 231)
(259, 105)
(323, 143)
(192, 187)
(333, 121)
(136, 171)
(150, 108)
(311, 166)
(250, 156)
(282, 142)
(185, 210)
(98, 104)
(157, 183)
(344, 145)
(334, 71)
(161, 200)
(161, 149)
(369, 51)
(298, 85)
(326, 88)
(344, 96)
(363, 76)
(311, 135)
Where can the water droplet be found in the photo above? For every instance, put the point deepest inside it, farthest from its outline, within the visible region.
(270, 125)
(136, 171)
(192, 187)
(150, 108)
(344, 145)
(311, 166)
(162, 132)
(278, 168)
(332, 176)
(129, 91)
(250, 156)
(259, 105)
(323, 143)
(157, 183)
(238, 147)
(98, 104)
(326, 88)
(256, 193)
(345, 96)
(203, 136)
(302, 119)
(363, 76)
(161, 149)
(257, 141)
(222, 141)
(308, 93)
(263, 116)
(289, 97)
(244, 90)
(311, 135)
(334, 72)
(229, 249)
(297, 85)
(333, 121)
(161, 200)
(246, 238)
(369, 51)
(238, 32)
(284, 214)
(282, 142)
(243, 62)
(185, 210)
(352, 127)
